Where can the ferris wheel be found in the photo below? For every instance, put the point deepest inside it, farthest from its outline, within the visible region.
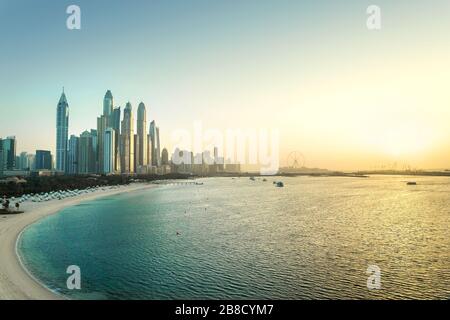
(295, 160)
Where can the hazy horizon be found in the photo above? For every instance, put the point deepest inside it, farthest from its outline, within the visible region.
(346, 97)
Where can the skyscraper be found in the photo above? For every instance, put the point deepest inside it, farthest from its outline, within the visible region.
(62, 132)
(31, 161)
(158, 148)
(43, 160)
(164, 157)
(8, 153)
(101, 128)
(86, 155)
(141, 144)
(154, 136)
(27, 161)
(105, 121)
(108, 103)
(23, 161)
(136, 152)
(116, 127)
(94, 136)
(109, 144)
(72, 157)
(127, 141)
(149, 149)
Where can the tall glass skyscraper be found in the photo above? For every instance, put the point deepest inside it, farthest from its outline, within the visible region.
(43, 160)
(105, 121)
(8, 150)
(108, 103)
(86, 154)
(72, 158)
(116, 127)
(62, 132)
(109, 143)
(141, 144)
(156, 151)
(101, 129)
(127, 143)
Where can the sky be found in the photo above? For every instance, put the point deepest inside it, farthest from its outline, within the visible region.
(346, 97)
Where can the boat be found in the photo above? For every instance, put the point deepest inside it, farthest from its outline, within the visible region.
(252, 178)
(264, 180)
(279, 184)
(411, 183)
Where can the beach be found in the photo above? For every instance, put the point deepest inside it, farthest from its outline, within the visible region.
(15, 282)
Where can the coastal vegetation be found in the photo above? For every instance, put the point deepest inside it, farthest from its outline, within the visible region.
(36, 185)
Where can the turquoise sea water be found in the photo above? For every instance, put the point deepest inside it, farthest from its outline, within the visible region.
(237, 238)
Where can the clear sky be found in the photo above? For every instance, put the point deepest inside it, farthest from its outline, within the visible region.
(346, 97)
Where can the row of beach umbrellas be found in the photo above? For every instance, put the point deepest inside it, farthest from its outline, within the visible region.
(57, 195)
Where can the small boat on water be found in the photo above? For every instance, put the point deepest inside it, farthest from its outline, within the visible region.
(279, 184)
(411, 183)
(264, 180)
(252, 178)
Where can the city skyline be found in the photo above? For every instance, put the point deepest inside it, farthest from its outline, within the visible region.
(353, 100)
(116, 146)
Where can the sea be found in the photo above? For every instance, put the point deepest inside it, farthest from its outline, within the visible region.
(235, 238)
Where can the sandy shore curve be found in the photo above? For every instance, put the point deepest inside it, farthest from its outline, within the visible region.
(15, 281)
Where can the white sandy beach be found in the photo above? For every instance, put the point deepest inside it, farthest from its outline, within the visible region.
(15, 282)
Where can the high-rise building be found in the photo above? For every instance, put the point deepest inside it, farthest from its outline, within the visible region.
(23, 162)
(164, 157)
(182, 161)
(86, 155)
(116, 119)
(116, 127)
(17, 163)
(127, 141)
(62, 132)
(149, 150)
(109, 150)
(105, 121)
(72, 156)
(43, 160)
(108, 103)
(136, 152)
(158, 148)
(31, 161)
(101, 128)
(8, 153)
(154, 136)
(141, 152)
(95, 148)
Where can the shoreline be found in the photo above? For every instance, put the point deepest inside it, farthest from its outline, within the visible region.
(16, 282)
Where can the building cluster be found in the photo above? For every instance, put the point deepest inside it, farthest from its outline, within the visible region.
(23, 164)
(186, 162)
(118, 145)
(114, 147)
